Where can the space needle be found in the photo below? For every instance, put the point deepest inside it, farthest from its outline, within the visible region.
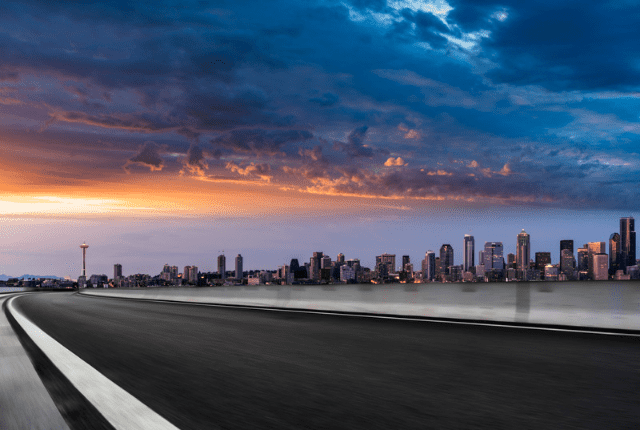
(84, 247)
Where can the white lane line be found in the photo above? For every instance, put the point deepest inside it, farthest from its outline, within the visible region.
(121, 409)
(387, 317)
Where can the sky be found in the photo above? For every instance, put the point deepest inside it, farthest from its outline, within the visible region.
(167, 132)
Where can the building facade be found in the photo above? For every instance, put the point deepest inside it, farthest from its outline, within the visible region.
(523, 254)
(469, 252)
(627, 243)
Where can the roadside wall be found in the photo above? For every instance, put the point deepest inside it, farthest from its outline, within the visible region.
(604, 304)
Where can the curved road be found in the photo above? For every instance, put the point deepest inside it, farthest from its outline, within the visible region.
(216, 367)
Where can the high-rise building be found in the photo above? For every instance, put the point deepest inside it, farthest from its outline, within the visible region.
(340, 258)
(481, 257)
(511, 261)
(222, 266)
(117, 271)
(239, 266)
(325, 263)
(388, 260)
(493, 256)
(566, 244)
(523, 254)
(542, 260)
(315, 266)
(446, 258)
(583, 258)
(193, 274)
(567, 264)
(469, 252)
(405, 260)
(600, 267)
(627, 243)
(614, 253)
(429, 266)
(595, 248)
(186, 274)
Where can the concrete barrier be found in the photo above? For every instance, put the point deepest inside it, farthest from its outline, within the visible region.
(605, 304)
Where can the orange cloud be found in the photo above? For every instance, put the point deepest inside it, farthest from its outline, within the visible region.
(395, 162)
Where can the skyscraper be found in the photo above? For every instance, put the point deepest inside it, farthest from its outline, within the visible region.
(614, 253)
(627, 243)
(405, 260)
(567, 264)
(564, 258)
(314, 266)
(388, 260)
(222, 266)
(430, 265)
(117, 271)
(566, 244)
(542, 260)
(238, 266)
(600, 267)
(340, 258)
(594, 249)
(493, 256)
(583, 258)
(469, 252)
(446, 258)
(523, 254)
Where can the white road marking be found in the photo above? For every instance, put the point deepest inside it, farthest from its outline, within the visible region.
(388, 317)
(121, 409)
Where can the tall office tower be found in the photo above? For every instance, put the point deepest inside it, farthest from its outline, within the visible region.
(583, 258)
(469, 250)
(446, 258)
(389, 260)
(567, 263)
(238, 266)
(566, 244)
(493, 256)
(542, 260)
(186, 274)
(438, 271)
(294, 265)
(193, 274)
(353, 262)
(511, 261)
(222, 266)
(614, 253)
(481, 256)
(594, 248)
(117, 271)
(340, 258)
(523, 254)
(430, 265)
(627, 243)
(600, 267)
(405, 260)
(315, 266)
(174, 273)
(325, 263)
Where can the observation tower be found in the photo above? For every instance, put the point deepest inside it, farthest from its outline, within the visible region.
(84, 247)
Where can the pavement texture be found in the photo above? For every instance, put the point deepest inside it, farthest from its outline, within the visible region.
(24, 401)
(208, 367)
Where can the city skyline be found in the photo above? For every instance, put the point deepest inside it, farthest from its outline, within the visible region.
(484, 249)
(165, 132)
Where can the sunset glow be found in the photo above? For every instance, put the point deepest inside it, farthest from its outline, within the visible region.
(263, 128)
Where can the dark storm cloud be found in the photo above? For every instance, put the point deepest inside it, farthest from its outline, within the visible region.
(149, 156)
(355, 144)
(559, 45)
(260, 142)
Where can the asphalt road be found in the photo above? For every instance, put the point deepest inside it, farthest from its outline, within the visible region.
(208, 367)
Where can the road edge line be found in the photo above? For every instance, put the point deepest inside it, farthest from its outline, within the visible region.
(117, 406)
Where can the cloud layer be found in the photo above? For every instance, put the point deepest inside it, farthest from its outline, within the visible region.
(486, 102)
